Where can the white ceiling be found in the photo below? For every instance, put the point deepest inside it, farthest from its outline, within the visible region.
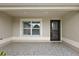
(37, 12)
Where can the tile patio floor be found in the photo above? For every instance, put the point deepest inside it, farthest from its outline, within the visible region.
(38, 49)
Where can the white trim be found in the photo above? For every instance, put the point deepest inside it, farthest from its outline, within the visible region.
(20, 27)
(30, 39)
(31, 29)
(61, 29)
(59, 8)
(73, 44)
(30, 19)
(5, 42)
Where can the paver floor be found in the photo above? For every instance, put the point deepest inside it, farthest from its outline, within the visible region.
(38, 49)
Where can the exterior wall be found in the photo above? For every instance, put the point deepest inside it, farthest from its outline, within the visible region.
(45, 27)
(16, 27)
(5, 25)
(71, 26)
(45, 30)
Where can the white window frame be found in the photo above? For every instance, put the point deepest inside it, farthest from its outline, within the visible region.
(30, 19)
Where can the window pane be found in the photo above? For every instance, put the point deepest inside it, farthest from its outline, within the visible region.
(55, 25)
(27, 31)
(35, 24)
(35, 31)
(27, 24)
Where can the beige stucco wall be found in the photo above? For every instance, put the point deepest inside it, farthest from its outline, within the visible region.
(71, 26)
(45, 30)
(5, 25)
(45, 27)
(16, 27)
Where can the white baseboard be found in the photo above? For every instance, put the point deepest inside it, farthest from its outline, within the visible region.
(25, 39)
(30, 39)
(73, 44)
(5, 42)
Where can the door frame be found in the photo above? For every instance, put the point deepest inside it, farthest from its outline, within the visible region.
(60, 31)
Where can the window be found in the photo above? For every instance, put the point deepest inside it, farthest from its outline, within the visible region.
(26, 28)
(31, 27)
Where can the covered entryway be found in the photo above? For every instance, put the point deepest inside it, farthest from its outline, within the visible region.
(27, 25)
(24, 20)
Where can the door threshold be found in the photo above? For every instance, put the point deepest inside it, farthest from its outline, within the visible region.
(55, 41)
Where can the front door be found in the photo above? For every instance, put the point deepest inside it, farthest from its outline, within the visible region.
(55, 30)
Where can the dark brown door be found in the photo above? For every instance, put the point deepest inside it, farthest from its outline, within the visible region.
(55, 30)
